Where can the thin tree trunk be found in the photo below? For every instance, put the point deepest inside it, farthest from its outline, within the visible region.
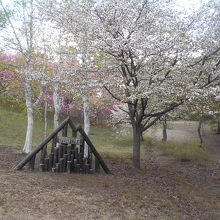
(30, 121)
(199, 132)
(86, 121)
(56, 107)
(164, 130)
(142, 137)
(218, 128)
(45, 117)
(136, 146)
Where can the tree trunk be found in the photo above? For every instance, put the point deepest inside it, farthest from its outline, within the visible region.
(164, 130)
(218, 128)
(199, 132)
(56, 107)
(30, 121)
(86, 121)
(45, 117)
(136, 146)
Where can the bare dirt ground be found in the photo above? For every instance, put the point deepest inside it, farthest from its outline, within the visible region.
(164, 189)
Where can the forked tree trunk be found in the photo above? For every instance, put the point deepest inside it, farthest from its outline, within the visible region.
(136, 146)
(30, 121)
(86, 121)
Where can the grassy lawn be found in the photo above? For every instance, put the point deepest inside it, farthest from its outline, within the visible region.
(13, 128)
(163, 189)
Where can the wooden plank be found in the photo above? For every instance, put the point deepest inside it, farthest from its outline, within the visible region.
(21, 164)
(94, 151)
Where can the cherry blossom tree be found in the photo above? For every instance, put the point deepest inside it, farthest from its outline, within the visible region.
(149, 57)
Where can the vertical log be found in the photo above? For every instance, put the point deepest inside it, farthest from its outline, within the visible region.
(60, 151)
(74, 135)
(76, 153)
(97, 166)
(51, 161)
(78, 168)
(55, 160)
(65, 162)
(87, 168)
(32, 162)
(72, 157)
(69, 166)
(83, 166)
(47, 164)
(57, 167)
(91, 171)
(82, 146)
(69, 151)
(75, 165)
(64, 148)
(42, 167)
(43, 154)
(61, 165)
(80, 159)
(54, 143)
(89, 159)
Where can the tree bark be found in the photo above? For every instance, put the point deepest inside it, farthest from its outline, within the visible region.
(136, 146)
(164, 130)
(218, 128)
(86, 121)
(30, 121)
(57, 107)
(199, 132)
(45, 117)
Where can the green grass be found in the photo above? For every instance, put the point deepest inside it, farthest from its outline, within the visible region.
(13, 129)
(189, 150)
(107, 141)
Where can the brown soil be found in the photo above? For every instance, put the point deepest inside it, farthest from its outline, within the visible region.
(164, 189)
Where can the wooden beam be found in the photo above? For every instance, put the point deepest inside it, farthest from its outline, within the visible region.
(41, 145)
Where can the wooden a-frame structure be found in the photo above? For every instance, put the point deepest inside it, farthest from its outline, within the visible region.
(66, 153)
